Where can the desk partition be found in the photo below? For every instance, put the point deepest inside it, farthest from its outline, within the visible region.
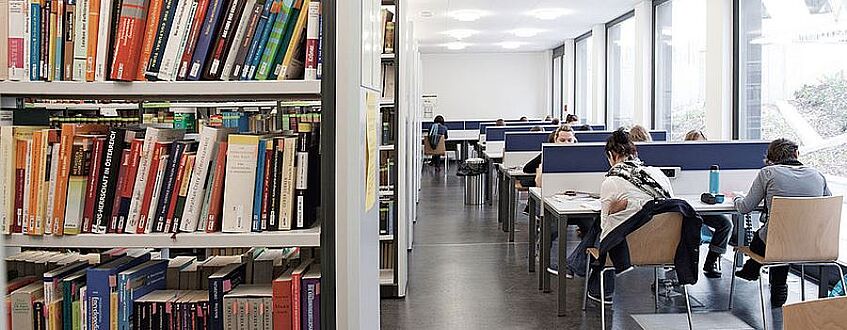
(495, 136)
(520, 147)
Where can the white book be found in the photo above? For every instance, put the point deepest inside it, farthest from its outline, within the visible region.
(157, 189)
(312, 31)
(51, 189)
(236, 39)
(18, 36)
(80, 39)
(207, 150)
(27, 187)
(104, 28)
(286, 199)
(83, 308)
(172, 55)
(151, 136)
(239, 188)
(7, 178)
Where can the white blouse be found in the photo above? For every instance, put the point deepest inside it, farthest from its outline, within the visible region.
(617, 188)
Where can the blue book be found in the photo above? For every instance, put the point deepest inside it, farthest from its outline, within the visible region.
(254, 43)
(220, 283)
(208, 34)
(100, 282)
(135, 283)
(35, 41)
(260, 184)
(263, 41)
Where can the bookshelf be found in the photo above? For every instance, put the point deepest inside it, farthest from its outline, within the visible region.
(159, 90)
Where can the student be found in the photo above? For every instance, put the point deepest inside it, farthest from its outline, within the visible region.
(437, 132)
(562, 135)
(584, 127)
(524, 118)
(785, 176)
(536, 128)
(500, 122)
(571, 120)
(695, 135)
(638, 134)
(555, 121)
(548, 118)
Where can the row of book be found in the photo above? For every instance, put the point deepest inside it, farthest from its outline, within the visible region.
(388, 31)
(100, 179)
(387, 255)
(129, 289)
(130, 40)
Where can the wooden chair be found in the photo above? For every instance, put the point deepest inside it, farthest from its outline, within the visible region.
(653, 245)
(825, 313)
(439, 150)
(801, 231)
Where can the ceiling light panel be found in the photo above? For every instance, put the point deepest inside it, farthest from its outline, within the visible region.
(460, 34)
(467, 15)
(549, 13)
(526, 32)
(456, 45)
(511, 44)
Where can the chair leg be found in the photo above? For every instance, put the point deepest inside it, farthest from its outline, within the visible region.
(732, 280)
(762, 296)
(841, 278)
(688, 307)
(602, 295)
(587, 270)
(802, 282)
(656, 287)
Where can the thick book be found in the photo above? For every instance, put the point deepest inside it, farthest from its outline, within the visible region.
(289, 62)
(66, 144)
(17, 68)
(175, 266)
(247, 25)
(92, 35)
(218, 55)
(34, 40)
(151, 137)
(108, 179)
(207, 150)
(275, 183)
(275, 39)
(267, 183)
(166, 23)
(135, 283)
(81, 156)
(192, 37)
(312, 34)
(23, 301)
(207, 36)
(176, 39)
(104, 35)
(116, 204)
(92, 184)
(123, 200)
(53, 162)
(288, 181)
(214, 212)
(310, 299)
(260, 40)
(307, 180)
(130, 37)
(101, 282)
(221, 283)
(168, 188)
(242, 157)
(296, 285)
(152, 186)
(70, 297)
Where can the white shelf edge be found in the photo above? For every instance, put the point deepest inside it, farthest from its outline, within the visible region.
(387, 147)
(386, 276)
(174, 89)
(302, 237)
(386, 237)
(389, 56)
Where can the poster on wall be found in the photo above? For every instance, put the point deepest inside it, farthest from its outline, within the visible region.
(430, 105)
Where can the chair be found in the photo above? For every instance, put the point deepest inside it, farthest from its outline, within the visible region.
(825, 313)
(652, 245)
(439, 150)
(801, 231)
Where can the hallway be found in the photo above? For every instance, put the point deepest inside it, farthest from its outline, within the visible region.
(465, 275)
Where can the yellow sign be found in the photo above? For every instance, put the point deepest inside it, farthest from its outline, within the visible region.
(372, 109)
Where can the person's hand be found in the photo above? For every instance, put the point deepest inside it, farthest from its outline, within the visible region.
(617, 206)
(730, 195)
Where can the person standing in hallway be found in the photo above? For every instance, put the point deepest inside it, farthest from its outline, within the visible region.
(437, 132)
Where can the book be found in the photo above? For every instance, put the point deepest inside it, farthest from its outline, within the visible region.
(258, 182)
(91, 186)
(81, 32)
(221, 283)
(165, 24)
(34, 38)
(284, 297)
(7, 178)
(4, 35)
(108, 179)
(168, 188)
(178, 201)
(312, 34)
(275, 184)
(100, 282)
(207, 149)
(192, 38)
(137, 282)
(275, 38)
(310, 299)
(215, 201)
(130, 39)
(17, 68)
(23, 301)
(290, 26)
(151, 137)
(53, 291)
(176, 39)
(158, 170)
(80, 157)
(260, 40)
(123, 198)
(242, 157)
(71, 298)
(247, 22)
(258, 18)
(206, 38)
(290, 66)
(68, 37)
(217, 57)
(152, 307)
(154, 17)
(296, 286)
(175, 265)
(288, 182)
(53, 165)
(104, 35)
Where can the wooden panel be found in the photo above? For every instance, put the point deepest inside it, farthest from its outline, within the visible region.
(816, 314)
(804, 229)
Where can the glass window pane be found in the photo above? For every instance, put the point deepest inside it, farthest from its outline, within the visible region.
(557, 86)
(584, 91)
(620, 73)
(792, 79)
(680, 48)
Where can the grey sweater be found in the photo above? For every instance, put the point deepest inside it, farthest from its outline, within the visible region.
(783, 181)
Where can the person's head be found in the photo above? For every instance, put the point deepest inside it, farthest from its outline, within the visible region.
(564, 135)
(585, 127)
(571, 119)
(524, 118)
(637, 133)
(555, 121)
(619, 147)
(500, 122)
(548, 118)
(536, 128)
(781, 151)
(439, 119)
(695, 135)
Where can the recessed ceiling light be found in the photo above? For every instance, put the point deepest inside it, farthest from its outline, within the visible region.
(467, 15)
(526, 32)
(511, 44)
(426, 13)
(549, 13)
(456, 45)
(460, 34)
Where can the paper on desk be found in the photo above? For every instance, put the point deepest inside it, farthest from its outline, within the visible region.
(593, 205)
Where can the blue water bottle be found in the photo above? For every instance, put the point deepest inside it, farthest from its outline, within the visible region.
(714, 179)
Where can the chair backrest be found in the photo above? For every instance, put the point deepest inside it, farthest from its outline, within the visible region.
(804, 229)
(815, 314)
(439, 150)
(655, 243)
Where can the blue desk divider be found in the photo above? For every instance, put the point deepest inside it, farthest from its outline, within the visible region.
(598, 127)
(485, 125)
(473, 124)
(499, 133)
(525, 141)
(602, 136)
(454, 125)
(690, 156)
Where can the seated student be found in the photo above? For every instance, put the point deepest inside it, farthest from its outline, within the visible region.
(548, 118)
(524, 118)
(500, 122)
(695, 135)
(536, 128)
(784, 176)
(437, 132)
(572, 120)
(638, 134)
(584, 127)
(555, 121)
(562, 135)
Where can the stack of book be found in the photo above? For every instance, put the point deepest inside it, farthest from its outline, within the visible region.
(131, 40)
(83, 178)
(129, 289)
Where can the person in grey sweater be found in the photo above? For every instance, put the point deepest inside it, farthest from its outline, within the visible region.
(783, 176)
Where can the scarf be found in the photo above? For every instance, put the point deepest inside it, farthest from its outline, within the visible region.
(632, 170)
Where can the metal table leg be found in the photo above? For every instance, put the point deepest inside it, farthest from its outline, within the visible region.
(510, 203)
(563, 248)
(501, 202)
(532, 233)
(464, 152)
(544, 276)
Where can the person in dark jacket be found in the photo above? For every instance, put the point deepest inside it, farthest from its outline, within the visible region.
(437, 132)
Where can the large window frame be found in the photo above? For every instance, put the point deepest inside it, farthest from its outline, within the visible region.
(576, 99)
(558, 53)
(607, 115)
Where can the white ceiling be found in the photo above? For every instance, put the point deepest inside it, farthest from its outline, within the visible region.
(504, 16)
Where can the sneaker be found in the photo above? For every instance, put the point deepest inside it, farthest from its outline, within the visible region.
(596, 298)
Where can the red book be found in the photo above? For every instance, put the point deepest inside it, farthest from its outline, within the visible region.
(91, 188)
(130, 35)
(169, 216)
(114, 226)
(266, 192)
(20, 177)
(150, 31)
(281, 300)
(216, 197)
(159, 150)
(124, 194)
(193, 36)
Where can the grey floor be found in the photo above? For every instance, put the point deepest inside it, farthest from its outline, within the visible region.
(463, 274)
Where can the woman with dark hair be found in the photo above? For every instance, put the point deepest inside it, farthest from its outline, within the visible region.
(437, 132)
(524, 118)
(572, 120)
(783, 176)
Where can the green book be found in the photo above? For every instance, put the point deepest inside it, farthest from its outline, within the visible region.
(274, 40)
(75, 315)
(276, 65)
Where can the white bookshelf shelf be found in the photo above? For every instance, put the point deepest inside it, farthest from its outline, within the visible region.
(387, 57)
(386, 276)
(386, 147)
(386, 237)
(165, 89)
(304, 238)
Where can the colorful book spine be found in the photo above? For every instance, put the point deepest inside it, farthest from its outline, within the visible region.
(263, 31)
(92, 184)
(176, 39)
(80, 39)
(100, 282)
(130, 36)
(16, 39)
(154, 13)
(219, 53)
(93, 34)
(247, 26)
(215, 211)
(259, 187)
(207, 37)
(166, 22)
(35, 40)
(312, 34)
(291, 43)
(108, 179)
(193, 36)
(274, 40)
(291, 27)
(68, 37)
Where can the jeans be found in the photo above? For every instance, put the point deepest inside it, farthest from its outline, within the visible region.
(778, 275)
(722, 225)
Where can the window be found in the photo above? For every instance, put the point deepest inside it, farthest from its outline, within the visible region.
(792, 79)
(583, 90)
(620, 71)
(556, 111)
(680, 66)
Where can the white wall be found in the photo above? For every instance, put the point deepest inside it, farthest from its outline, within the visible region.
(488, 85)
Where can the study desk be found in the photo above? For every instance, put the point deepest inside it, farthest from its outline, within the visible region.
(491, 158)
(507, 203)
(464, 138)
(559, 209)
